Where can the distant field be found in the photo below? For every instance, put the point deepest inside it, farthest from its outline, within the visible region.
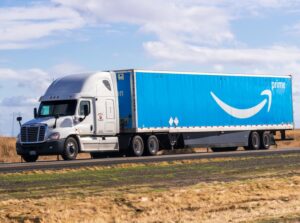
(253, 189)
(8, 150)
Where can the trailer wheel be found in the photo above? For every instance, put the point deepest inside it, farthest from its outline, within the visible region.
(70, 149)
(137, 146)
(254, 141)
(30, 158)
(266, 140)
(152, 145)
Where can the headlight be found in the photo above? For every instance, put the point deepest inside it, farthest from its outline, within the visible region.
(54, 136)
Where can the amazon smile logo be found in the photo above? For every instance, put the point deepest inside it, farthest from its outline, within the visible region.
(248, 112)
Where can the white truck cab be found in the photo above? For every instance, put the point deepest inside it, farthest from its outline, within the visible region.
(78, 113)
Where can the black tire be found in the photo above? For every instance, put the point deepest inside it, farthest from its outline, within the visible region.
(265, 140)
(137, 146)
(70, 149)
(152, 145)
(254, 141)
(224, 149)
(30, 158)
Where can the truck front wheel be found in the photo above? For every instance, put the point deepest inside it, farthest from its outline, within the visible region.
(30, 158)
(70, 149)
(137, 146)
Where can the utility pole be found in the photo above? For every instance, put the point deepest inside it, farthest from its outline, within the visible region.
(13, 124)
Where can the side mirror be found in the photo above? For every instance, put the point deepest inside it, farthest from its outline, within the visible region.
(85, 110)
(35, 114)
(19, 119)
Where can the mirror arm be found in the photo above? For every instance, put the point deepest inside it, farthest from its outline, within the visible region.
(81, 119)
(56, 117)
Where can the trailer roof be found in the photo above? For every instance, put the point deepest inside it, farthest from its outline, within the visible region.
(203, 73)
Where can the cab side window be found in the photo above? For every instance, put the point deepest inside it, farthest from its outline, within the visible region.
(81, 107)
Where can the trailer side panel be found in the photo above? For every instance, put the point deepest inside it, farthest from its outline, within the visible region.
(187, 101)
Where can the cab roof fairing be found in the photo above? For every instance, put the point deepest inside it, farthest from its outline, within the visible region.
(74, 86)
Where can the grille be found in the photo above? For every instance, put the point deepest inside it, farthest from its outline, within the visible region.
(30, 134)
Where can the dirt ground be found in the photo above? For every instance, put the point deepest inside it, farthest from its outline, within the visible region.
(8, 149)
(252, 189)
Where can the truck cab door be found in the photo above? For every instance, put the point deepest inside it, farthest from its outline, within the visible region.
(86, 125)
(106, 117)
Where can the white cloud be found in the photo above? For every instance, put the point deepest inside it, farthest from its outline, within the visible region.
(17, 101)
(172, 21)
(34, 79)
(19, 26)
(238, 56)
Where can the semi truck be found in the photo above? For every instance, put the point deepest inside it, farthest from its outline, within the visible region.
(138, 112)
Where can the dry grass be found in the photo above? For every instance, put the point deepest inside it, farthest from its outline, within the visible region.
(238, 201)
(8, 150)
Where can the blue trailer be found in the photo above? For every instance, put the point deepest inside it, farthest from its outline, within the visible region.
(139, 112)
(200, 109)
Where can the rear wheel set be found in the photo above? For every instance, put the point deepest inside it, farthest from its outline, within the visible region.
(259, 141)
(147, 145)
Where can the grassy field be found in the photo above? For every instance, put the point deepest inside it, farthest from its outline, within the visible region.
(260, 189)
(8, 151)
(252, 189)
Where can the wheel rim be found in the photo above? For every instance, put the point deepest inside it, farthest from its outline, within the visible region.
(266, 141)
(71, 148)
(137, 146)
(152, 146)
(255, 141)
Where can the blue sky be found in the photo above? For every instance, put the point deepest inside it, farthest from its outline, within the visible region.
(42, 40)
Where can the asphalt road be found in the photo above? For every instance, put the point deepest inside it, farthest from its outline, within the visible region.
(55, 165)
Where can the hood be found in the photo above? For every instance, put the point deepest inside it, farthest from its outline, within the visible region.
(62, 122)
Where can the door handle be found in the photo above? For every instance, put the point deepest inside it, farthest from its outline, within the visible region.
(91, 127)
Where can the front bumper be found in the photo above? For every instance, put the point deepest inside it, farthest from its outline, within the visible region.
(54, 147)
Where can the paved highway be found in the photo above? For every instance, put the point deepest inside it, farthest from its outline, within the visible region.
(55, 165)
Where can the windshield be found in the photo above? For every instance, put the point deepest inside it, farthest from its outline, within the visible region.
(61, 108)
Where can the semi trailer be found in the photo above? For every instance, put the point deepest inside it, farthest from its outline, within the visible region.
(139, 112)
